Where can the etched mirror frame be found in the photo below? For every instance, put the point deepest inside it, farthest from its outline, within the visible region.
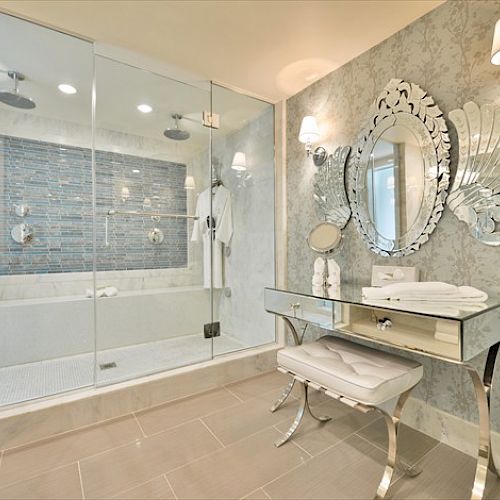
(475, 194)
(329, 188)
(405, 104)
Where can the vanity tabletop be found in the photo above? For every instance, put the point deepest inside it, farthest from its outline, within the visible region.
(352, 294)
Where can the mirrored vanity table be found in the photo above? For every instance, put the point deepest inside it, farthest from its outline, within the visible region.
(451, 332)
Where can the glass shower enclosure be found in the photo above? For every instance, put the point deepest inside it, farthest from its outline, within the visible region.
(136, 218)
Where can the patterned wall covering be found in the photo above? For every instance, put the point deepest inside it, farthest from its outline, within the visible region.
(56, 182)
(447, 53)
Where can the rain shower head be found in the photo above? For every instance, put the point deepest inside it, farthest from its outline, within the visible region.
(13, 97)
(176, 133)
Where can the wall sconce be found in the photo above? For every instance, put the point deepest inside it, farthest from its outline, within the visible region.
(239, 162)
(495, 48)
(309, 132)
(189, 182)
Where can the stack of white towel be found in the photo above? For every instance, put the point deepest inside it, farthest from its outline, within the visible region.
(105, 291)
(434, 291)
(333, 278)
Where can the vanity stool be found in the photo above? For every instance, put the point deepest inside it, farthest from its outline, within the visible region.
(358, 376)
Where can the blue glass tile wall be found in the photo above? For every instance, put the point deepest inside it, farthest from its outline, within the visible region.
(56, 182)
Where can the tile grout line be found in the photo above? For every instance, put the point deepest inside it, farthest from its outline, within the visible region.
(81, 480)
(233, 394)
(211, 432)
(139, 424)
(91, 425)
(293, 442)
(170, 485)
(18, 481)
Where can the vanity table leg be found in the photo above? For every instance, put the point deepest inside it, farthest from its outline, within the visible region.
(489, 371)
(297, 341)
(483, 456)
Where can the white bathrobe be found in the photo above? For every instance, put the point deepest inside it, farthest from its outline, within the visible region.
(221, 213)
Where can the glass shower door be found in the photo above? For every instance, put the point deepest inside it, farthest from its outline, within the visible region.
(152, 160)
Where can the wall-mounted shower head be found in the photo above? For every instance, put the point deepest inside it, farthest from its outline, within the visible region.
(176, 133)
(13, 97)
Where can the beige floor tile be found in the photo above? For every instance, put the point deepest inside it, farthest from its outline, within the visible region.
(259, 494)
(157, 488)
(446, 473)
(412, 444)
(32, 460)
(62, 483)
(175, 413)
(131, 465)
(351, 469)
(237, 470)
(256, 386)
(315, 437)
(253, 415)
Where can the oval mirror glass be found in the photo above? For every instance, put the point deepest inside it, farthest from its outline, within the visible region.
(395, 182)
(324, 237)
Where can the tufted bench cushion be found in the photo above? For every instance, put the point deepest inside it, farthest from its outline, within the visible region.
(351, 370)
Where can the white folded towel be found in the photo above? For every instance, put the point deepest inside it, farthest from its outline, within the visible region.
(425, 291)
(107, 291)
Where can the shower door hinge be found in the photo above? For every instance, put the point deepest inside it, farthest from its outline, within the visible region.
(211, 120)
(212, 330)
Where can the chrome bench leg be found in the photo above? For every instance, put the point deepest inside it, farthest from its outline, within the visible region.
(298, 418)
(284, 396)
(392, 422)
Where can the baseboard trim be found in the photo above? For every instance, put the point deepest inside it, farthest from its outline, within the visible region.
(447, 428)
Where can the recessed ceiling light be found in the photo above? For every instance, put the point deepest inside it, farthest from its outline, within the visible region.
(136, 171)
(144, 108)
(66, 88)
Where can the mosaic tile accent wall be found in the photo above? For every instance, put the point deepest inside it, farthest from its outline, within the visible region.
(56, 182)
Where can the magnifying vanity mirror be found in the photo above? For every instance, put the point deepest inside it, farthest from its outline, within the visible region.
(324, 239)
(402, 170)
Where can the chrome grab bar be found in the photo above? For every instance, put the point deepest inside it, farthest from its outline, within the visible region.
(150, 214)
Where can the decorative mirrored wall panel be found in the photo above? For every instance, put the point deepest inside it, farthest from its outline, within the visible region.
(46, 213)
(329, 188)
(475, 194)
(153, 296)
(402, 170)
(243, 161)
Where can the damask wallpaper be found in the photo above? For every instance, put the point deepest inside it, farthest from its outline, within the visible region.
(447, 53)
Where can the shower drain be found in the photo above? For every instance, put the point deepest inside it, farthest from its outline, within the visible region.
(107, 366)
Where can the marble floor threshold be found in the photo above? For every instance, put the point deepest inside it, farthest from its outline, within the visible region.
(30, 381)
(219, 445)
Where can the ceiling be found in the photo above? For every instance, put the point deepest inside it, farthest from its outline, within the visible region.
(270, 49)
(48, 58)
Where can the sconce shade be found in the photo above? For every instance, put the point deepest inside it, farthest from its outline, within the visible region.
(495, 48)
(309, 131)
(189, 182)
(239, 161)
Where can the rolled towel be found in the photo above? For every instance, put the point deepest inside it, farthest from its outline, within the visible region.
(333, 273)
(425, 291)
(317, 279)
(110, 291)
(319, 266)
(90, 293)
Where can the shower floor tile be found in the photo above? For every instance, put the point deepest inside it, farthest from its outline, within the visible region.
(35, 380)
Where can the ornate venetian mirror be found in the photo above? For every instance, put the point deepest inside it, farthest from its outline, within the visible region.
(475, 195)
(402, 170)
(329, 186)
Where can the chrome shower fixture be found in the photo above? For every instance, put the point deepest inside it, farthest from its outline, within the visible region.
(14, 98)
(176, 133)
